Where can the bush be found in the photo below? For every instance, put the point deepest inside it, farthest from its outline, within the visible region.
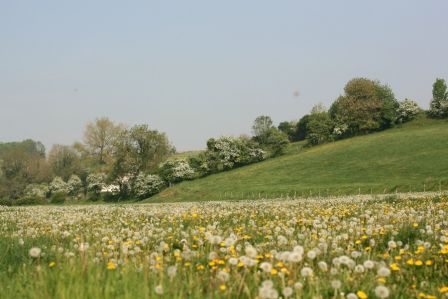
(319, 128)
(74, 185)
(25, 201)
(199, 164)
(95, 183)
(146, 185)
(37, 190)
(276, 142)
(174, 171)
(111, 196)
(229, 152)
(5, 202)
(407, 110)
(58, 198)
(58, 186)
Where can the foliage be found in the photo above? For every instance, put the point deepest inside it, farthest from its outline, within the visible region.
(58, 198)
(367, 106)
(173, 171)
(261, 127)
(275, 142)
(64, 161)
(74, 185)
(229, 152)
(146, 185)
(99, 138)
(407, 110)
(21, 164)
(301, 128)
(37, 190)
(439, 102)
(289, 128)
(399, 158)
(140, 149)
(95, 183)
(58, 185)
(199, 164)
(319, 128)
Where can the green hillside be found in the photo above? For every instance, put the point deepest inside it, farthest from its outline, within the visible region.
(411, 157)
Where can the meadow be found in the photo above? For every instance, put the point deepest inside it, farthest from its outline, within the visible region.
(333, 248)
(408, 158)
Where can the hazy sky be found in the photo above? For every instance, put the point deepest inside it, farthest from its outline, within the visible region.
(198, 69)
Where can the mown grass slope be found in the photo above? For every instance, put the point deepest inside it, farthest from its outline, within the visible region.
(411, 157)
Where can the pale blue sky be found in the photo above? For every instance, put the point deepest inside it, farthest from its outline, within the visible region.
(198, 69)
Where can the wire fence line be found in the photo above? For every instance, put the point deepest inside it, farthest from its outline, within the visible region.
(424, 190)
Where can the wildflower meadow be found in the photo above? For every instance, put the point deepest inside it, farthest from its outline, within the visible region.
(328, 248)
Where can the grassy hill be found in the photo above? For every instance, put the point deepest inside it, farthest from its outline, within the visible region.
(412, 157)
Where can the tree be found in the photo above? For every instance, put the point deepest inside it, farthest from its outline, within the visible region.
(148, 147)
(99, 137)
(366, 106)
(301, 128)
(21, 164)
(276, 142)
(261, 127)
(319, 128)
(439, 102)
(64, 161)
(289, 128)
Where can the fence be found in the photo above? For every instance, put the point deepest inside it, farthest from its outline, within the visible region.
(430, 188)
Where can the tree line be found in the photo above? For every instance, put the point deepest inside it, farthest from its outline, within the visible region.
(117, 162)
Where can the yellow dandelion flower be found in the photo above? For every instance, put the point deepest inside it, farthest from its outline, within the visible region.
(394, 267)
(111, 265)
(362, 295)
(274, 272)
(428, 263)
(52, 264)
(443, 290)
(418, 263)
(222, 287)
(410, 262)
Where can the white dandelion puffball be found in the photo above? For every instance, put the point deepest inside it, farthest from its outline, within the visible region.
(382, 292)
(35, 252)
(159, 290)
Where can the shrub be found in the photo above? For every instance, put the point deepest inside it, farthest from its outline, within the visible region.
(58, 186)
(74, 185)
(146, 185)
(111, 196)
(58, 198)
(439, 103)
(199, 164)
(37, 190)
(407, 110)
(229, 152)
(29, 201)
(5, 202)
(319, 128)
(276, 142)
(174, 171)
(95, 183)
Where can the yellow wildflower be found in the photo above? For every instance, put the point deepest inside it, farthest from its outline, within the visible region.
(361, 295)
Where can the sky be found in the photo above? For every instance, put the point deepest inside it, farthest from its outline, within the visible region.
(201, 69)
